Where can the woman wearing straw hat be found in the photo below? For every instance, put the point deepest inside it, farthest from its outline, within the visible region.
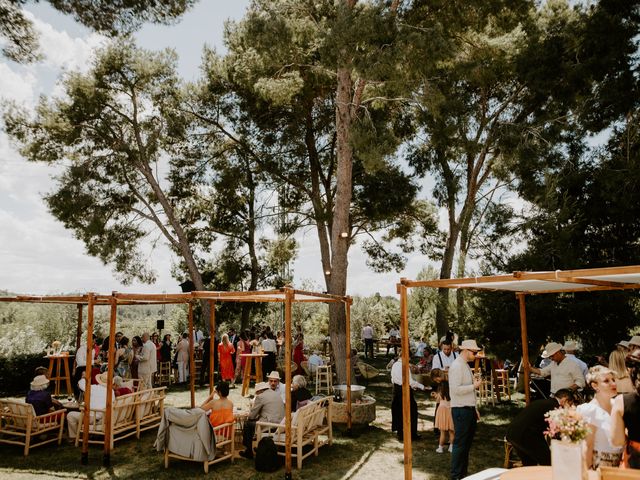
(40, 398)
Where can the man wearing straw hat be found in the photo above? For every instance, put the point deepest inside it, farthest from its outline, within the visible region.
(564, 372)
(462, 389)
(267, 407)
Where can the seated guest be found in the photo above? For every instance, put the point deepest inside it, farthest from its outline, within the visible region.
(299, 392)
(315, 361)
(526, 432)
(274, 384)
(118, 387)
(267, 407)
(426, 362)
(597, 413)
(40, 398)
(625, 414)
(220, 410)
(98, 401)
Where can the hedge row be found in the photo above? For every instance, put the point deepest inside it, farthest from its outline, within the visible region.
(17, 372)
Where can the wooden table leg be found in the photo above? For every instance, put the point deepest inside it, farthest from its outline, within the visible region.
(246, 377)
(67, 376)
(259, 376)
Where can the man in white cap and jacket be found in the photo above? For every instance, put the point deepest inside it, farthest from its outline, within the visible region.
(462, 389)
(564, 373)
(570, 348)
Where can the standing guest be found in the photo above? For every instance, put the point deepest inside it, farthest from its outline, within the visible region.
(270, 348)
(526, 431)
(634, 343)
(243, 347)
(267, 407)
(198, 336)
(396, 402)
(136, 347)
(420, 347)
(564, 373)
(234, 339)
(279, 343)
(299, 392)
(81, 365)
(148, 364)
(158, 345)
(182, 358)
(625, 414)
(40, 398)
(220, 410)
(123, 358)
(620, 371)
(597, 413)
(225, 349)
(623, 346)
(570, 348)
(393, 340)
(165, 348)
(367, 338)
(444, 420)
(462, 388)
(315, 361)
(425, 365)
(445, 356)
(298, 354)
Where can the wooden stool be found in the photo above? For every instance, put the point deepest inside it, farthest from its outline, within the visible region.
(324, 379)
(164, 373)
(256, 358)
(59, 363)
(504, 386)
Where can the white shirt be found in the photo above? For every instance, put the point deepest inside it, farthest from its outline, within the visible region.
(396, 376)
(461, 389)
(420, 349)
(314, 362)
(442, 361)
(81, 355)
(394, 333)
(563, 375)
(367, 332)
(595, 415)
(583, 366)
(269, 345)
(98, 395)
(197, 336)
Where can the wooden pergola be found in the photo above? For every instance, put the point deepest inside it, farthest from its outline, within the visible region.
(286, 295)
(522, 284)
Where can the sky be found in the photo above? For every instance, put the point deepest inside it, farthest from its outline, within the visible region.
(37, 254)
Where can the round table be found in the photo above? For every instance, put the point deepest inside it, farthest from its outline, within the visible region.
(537, 473)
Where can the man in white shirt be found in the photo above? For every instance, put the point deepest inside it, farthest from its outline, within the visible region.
(315, 361)
(570, 348)
(393, 341)
(147, 362)
(396, 402)
(98, 401)
(564, 373)
(462, 389)
(367, 337)
(81, 365)
(445, 356)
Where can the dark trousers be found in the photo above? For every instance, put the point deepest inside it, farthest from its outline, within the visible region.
(268, 364)
(368, 347)
(248, 432)
(532, 450)
(77, 375)
(464, 424)
(396, 412)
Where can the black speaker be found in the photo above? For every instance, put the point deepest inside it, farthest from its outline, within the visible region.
(160, 324)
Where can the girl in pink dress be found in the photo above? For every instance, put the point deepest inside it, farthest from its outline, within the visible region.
(444, 420)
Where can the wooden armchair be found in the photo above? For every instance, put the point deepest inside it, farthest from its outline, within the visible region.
(19, 425)
(225, 447)
(612, 473)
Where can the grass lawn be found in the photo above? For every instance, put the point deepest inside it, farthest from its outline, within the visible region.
(370, 453)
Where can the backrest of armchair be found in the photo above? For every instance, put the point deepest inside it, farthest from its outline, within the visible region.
(16, 414)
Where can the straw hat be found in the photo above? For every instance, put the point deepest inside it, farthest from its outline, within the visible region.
(570, 346)
(635, 340)
(260, 386)
(102, 378)
(274, 375)
(550, 349)
(470, 345)
(623, 343)
(39, 381)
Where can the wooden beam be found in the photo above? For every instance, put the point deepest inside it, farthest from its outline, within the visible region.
(106, 456)
(287, 375)
(348, 359)
(525, 345)
(79, 327)
(192, 363)
(212, 345)
(406, 380)
(84, 459)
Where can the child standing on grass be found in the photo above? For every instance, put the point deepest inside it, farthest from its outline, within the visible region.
(444, 420)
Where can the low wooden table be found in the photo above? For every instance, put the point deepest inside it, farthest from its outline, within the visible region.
(537, 473)
(240, 416)
(256, 358)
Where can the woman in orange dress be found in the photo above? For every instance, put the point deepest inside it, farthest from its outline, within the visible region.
(220, 409)
(225, 350)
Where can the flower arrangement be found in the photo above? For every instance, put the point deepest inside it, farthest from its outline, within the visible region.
(566, 424)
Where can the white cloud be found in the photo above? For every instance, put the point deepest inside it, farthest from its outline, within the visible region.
(16, 86)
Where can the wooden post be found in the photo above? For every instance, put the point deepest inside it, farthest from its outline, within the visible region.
(212, 344)
(525, 345)
(192, 363)
(406, 381)
(106, 458)
(348, 348)
(287, 375)
(87, 375)
(79, 328)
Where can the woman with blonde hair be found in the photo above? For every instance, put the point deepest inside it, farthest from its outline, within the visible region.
(597, 413)
(225, 350)
(617, 365)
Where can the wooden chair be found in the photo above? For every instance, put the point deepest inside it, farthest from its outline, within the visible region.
(225, 447)
(19, 425)
(367, 371)
(612, 473)
(164, 374)
(503, 383)
(324, 379)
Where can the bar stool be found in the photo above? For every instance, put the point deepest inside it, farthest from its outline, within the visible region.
(59, 363)
(504, 386)
(324, 379)
(256, 358)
